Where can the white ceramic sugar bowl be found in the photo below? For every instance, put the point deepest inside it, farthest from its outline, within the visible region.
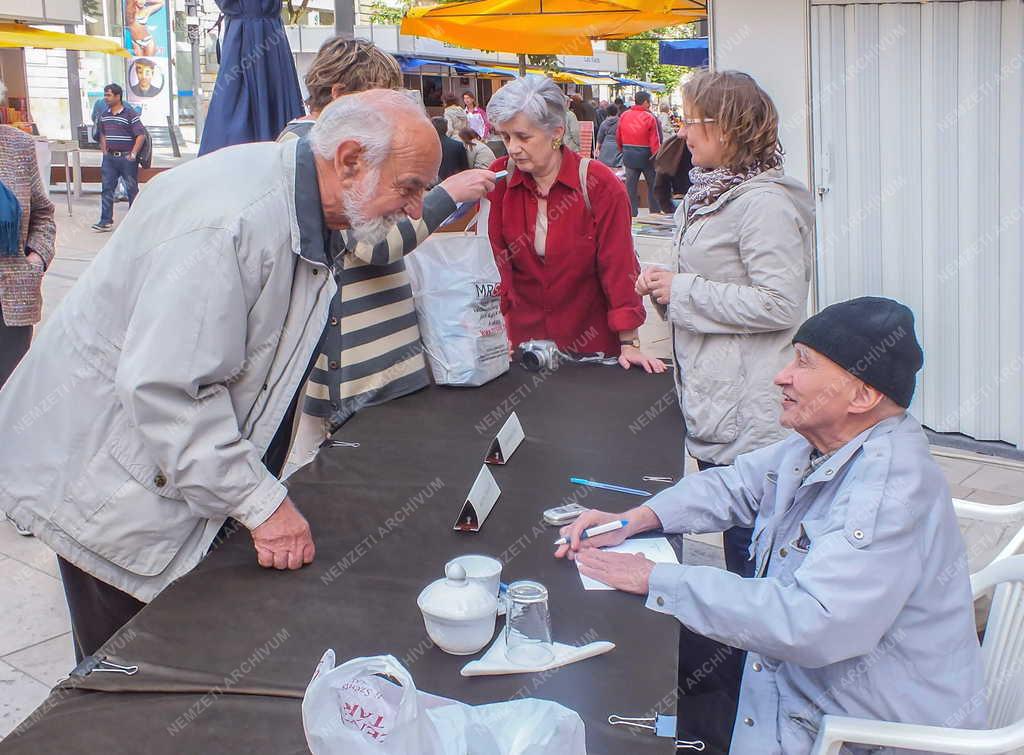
(459, 614)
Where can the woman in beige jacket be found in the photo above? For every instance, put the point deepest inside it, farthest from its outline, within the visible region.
(743, 267)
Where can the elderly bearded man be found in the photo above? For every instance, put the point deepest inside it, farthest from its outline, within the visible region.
(159, 398)
(852, 610)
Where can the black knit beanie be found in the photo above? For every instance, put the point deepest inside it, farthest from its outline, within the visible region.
(873, 339)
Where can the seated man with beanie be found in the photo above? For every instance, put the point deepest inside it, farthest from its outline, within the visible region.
(853, 609)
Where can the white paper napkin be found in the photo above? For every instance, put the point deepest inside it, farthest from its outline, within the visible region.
(494, 661)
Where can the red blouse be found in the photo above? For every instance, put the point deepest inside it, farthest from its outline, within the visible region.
(581, 293)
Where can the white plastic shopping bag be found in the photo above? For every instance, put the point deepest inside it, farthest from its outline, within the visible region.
(454, 283)
(356, 709)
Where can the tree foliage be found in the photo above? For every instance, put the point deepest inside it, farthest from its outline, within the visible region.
(545, 62)
(642, 55)
(387, 13)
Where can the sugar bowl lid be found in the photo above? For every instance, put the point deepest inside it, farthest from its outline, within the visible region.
(456, 597)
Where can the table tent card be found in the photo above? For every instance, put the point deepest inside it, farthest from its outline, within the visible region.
(506, 441)
(481, 499)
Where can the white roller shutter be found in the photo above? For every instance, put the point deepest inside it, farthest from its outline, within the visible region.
(918, 123)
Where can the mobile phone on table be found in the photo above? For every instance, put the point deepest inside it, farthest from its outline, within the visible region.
(561, 515)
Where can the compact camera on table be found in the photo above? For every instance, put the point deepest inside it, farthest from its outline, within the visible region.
(537, 355)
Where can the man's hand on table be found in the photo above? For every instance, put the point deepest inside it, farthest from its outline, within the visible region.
(628, 572)
(284, 541)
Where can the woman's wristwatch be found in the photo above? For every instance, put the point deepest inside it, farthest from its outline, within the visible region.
(634, 342)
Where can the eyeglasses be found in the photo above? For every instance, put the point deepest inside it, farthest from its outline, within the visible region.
(696, 121)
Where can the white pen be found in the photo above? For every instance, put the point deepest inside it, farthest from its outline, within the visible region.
(463, 207)
(600, 529)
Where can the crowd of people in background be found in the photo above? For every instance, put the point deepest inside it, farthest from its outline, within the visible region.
(651, 150)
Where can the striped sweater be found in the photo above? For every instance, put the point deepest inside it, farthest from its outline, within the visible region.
(371, 350)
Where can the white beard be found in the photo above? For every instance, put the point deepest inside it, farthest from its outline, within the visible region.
(365, 229)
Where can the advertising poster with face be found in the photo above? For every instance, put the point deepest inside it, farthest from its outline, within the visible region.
(145, 36)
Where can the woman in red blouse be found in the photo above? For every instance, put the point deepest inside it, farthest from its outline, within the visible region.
(567, 271)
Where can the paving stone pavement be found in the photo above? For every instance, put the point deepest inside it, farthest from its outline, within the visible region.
(35, 640)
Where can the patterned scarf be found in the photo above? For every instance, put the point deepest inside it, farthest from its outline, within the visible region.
(706, 186)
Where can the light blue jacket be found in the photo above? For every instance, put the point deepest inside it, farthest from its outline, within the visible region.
(861, 604)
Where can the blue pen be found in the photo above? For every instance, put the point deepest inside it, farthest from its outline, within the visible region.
(600, 529)
(608, 486)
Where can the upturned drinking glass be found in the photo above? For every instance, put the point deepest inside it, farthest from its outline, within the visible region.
(528, 625)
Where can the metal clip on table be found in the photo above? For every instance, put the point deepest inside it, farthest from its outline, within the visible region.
(662, 726)
(91, 664)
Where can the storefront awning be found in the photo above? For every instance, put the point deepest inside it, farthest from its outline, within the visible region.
(412, 65)
(20, 35)
(594, 79)
(642, 84)
(563, 77)
(481, 70)
(684, 52)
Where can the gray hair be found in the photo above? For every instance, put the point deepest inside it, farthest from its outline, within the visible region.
(368, 118)
(537, 97)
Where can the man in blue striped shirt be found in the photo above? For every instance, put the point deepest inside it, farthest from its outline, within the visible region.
(121, 138)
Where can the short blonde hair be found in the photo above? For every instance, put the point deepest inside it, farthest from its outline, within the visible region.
(743, 111)
(355, 65)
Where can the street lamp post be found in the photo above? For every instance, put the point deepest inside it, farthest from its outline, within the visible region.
(192, 10)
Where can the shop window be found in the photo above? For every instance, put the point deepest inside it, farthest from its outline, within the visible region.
(432, 91)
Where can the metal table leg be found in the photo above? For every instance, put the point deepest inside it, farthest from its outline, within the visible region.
(76, 162)
(67, 181)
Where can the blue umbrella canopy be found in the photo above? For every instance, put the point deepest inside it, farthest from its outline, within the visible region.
(684, 52)
(257, 90)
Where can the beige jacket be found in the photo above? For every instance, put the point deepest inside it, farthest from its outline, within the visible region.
(480, 155)
(457, 120)
(138, 420)
(744, 266)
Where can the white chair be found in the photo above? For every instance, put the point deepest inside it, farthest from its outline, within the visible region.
(1003, 655)
(990, 531)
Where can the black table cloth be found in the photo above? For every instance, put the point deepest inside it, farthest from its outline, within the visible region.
(225, 653)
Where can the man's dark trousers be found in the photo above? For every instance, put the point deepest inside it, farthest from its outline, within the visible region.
(113, 168)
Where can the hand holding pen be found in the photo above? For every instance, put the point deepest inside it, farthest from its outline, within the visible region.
(573, 535)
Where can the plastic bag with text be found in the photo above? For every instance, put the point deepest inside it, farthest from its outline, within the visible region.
(454, 285)
(370, 706)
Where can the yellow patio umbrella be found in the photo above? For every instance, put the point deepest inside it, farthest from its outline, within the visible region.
(545, 27)
(20, 35)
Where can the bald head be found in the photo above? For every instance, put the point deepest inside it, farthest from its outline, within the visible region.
(376, 155)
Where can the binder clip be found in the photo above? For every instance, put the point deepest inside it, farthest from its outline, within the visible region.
(662, 726)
